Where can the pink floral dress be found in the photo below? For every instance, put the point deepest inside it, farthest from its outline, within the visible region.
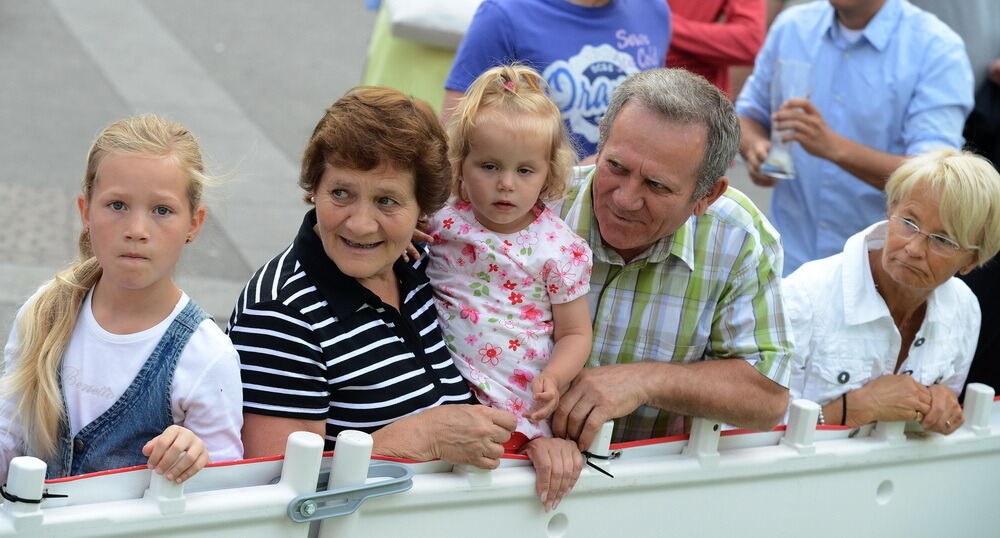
(494, 294)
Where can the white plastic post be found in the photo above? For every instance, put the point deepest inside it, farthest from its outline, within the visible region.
(601, 446)
(303, 457)
(801, 427)
(978, 407)
(25, 479)
(704, 441)
(167, 494)
(350, 461)
(891, 432)
(349, 468)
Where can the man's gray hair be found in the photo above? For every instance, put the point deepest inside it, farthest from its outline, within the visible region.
(683, 97)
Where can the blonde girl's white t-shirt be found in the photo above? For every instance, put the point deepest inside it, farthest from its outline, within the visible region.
(98, 366)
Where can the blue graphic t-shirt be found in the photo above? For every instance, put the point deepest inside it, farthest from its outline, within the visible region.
(584, 53)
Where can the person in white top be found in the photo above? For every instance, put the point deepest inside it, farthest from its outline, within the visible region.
(110, 364)
(883, 330)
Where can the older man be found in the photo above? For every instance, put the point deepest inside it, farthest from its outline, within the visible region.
(686, 272)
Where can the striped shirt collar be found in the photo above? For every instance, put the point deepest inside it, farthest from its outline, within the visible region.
(344, 294)
(679, 244)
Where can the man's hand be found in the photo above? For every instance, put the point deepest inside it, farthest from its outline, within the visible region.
(755, 155)
(945, 415)
(464, 434)
(557, 466)
(755, 144)
(596, 396)
(801, 122)
(412, 252)
(177, 453)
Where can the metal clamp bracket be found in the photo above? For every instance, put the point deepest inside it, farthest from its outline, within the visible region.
(346, 500)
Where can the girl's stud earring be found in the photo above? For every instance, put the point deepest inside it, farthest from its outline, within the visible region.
(188, 240)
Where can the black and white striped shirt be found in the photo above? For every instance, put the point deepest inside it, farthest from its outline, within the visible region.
(315, 344)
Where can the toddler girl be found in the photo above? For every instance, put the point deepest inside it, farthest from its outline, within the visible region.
(110, 364)
(510, 277)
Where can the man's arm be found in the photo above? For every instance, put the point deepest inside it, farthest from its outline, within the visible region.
(732, 41)
(755, 143)
(807, 127)
(730, 390)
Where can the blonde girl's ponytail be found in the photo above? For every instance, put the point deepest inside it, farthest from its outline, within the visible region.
(519, 91)
(49, 318)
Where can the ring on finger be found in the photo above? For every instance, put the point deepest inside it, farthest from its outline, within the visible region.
(920, 416)
(947, 424)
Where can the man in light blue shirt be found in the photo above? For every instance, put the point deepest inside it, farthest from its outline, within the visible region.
(888, 80)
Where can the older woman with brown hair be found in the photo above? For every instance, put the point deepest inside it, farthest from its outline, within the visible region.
(338, 332)
(883, 330)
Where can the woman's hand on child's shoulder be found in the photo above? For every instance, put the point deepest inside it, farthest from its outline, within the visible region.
(177, 453)
(545, 391)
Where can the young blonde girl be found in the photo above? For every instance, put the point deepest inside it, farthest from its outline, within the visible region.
(110, 364)
(510, 277)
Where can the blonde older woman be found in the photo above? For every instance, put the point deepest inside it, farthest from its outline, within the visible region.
(883, 330)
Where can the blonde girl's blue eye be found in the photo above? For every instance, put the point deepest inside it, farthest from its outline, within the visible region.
(488, 166)
(117, 205)
(524, 171)
(163, 211)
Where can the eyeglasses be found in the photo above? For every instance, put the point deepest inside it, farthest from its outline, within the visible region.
(941, 245)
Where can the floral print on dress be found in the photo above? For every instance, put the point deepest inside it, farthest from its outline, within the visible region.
(494, 294)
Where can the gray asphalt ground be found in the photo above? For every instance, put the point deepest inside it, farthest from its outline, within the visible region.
(250, 78)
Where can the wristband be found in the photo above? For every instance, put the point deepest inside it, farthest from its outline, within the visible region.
(843, 411)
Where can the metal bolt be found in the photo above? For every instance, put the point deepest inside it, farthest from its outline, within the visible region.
(308, 508)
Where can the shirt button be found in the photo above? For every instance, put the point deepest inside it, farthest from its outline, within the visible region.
(843, 377)
(78, 445)
(920, 341)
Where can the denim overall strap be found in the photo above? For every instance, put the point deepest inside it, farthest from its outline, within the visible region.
(115, 439)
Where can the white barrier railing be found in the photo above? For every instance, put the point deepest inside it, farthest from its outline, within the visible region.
(878, 480)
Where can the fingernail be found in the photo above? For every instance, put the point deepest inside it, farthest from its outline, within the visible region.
(545, 496)
(556, 505)
(170, 477)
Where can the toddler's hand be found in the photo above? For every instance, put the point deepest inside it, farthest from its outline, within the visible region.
(177, 453)
(545, 391)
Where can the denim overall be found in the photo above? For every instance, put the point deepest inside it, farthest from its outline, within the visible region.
(115, 439)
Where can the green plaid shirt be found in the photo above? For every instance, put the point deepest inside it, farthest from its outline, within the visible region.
(709, 291)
